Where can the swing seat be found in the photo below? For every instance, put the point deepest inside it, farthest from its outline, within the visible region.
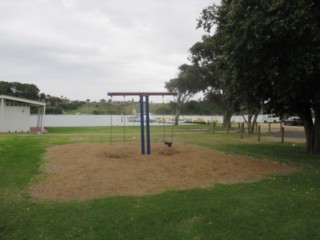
(168, 143)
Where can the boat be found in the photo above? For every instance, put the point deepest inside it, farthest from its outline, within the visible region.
(136, 118)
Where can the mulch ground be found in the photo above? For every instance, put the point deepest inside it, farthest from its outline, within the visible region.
(92, 170)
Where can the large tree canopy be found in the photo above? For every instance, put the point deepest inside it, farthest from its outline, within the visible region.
(208, 56)
(23, 90)
(270, 51)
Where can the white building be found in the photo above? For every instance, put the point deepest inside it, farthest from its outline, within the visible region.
(15, 114)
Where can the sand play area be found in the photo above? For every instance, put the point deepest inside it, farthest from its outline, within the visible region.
(91, 170)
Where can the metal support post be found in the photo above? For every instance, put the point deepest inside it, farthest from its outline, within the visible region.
(142, 125)
(148, 125)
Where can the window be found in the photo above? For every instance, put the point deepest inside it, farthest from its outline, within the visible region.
(11, 103)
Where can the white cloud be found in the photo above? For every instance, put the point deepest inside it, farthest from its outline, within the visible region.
(82, 49)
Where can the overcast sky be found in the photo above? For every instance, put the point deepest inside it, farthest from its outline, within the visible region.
(83, 49)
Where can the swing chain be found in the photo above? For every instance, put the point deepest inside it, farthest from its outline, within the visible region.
(166, 141)
(111, 122)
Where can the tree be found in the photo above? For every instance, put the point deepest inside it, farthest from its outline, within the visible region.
(5, 88)
(272, 49)
(22, 90)
(211, 54)
(207, 55)
(187, 84)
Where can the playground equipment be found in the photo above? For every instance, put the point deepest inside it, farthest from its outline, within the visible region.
(145, 95)
(167, 141)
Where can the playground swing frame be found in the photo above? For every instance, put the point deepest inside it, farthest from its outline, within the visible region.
(143, 95)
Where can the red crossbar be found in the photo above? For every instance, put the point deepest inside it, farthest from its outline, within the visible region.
(142, 94)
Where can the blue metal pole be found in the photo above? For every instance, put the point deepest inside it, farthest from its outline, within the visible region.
(142, 125)
(148, 125)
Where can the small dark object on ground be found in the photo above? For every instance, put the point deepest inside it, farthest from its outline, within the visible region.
(168, 144)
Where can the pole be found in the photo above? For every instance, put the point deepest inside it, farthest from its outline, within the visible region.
(2, 116)
(213, 126)
(242, 130)
(43, 114)
(142, 125)
(282, 134)
(148, 125)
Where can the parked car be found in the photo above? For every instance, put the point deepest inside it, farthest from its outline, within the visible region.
(270, 119)
(293, 121)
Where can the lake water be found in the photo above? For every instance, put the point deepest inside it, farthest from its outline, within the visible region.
(116, 120)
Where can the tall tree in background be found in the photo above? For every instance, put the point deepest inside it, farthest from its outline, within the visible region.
(272, 49)
(208, 56)
(187, 84)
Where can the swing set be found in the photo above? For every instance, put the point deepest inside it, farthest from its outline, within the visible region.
(145, 95)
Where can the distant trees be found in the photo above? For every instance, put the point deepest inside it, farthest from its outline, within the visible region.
(202, 107)
(22, 90)
(187, 84)
(57, 105)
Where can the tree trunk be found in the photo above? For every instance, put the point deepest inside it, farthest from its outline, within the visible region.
(251, 122)
(309, 132)
(316, 148)
(254, 121)
(226, 118)
(177, 115)
(306, 117)
(312, 130)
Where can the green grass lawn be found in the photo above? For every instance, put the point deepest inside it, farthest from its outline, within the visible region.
(279, 207)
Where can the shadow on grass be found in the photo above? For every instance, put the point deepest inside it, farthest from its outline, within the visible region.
(282, 152)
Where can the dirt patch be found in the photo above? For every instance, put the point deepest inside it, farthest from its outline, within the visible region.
(90, 170)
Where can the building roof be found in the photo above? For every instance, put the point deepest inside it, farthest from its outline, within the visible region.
(31, 102)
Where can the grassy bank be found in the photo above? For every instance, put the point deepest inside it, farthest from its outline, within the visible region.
(285, 207)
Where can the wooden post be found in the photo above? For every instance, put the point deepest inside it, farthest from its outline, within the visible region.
(213, 126)
(259, 131)
(238, 125)
(256, 127)
(280, 126)
(269, 127)
(242, 130)
(282, 134)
